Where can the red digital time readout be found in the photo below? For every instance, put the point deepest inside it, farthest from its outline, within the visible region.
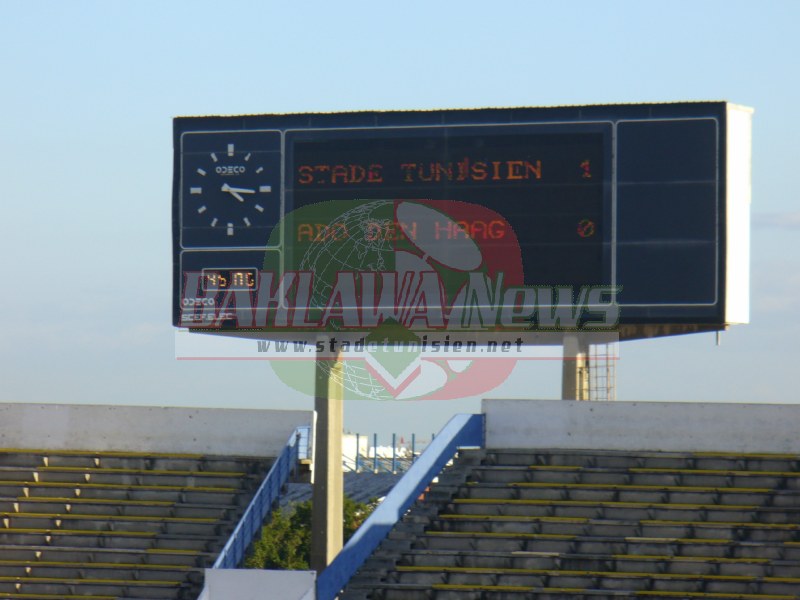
(222, 279)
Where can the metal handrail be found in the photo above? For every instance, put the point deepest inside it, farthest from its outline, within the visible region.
(260, 506)
(460, 431)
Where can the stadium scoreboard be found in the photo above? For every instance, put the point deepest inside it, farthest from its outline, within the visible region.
(649, 199)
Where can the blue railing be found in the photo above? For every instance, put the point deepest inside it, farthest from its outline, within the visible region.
(398, 462)
(249, 525)
(460, 431)
(372, 464)
(304, 442)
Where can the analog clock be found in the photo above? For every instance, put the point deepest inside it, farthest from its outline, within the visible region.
(230, 188)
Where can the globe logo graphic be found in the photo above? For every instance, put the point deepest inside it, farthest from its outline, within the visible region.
(363, 249)
(407, 238)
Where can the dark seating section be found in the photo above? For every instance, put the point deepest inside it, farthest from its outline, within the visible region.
(113, 525)
(560, 525)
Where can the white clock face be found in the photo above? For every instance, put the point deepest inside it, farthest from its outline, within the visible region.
(230, 188)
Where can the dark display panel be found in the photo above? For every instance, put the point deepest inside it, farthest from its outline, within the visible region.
(549, 185)
(633, 196)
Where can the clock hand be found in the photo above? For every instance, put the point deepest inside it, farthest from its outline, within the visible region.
(227, 188)
(235, 191)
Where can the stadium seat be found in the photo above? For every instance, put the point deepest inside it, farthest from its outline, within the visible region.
(79, 525)
(598, 524)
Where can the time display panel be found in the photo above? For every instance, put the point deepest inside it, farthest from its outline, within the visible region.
(229, 188)
(549, 185)
(223, 279)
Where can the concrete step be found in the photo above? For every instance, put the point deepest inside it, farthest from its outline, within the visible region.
(603, 580)
(777, 480)
(468, 541)
(664, 460)
(624, 510)
(99, 571)
(132, 508)
(122, 540)
(32, 587)
(112, 492)
(78, 476)
(702, 565)
(396, 591)
(737, 531)
(631, 493)
(117, 523)
(131, 460)
(52, 553)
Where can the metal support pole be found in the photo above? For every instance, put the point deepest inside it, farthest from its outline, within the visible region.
(328, 491)
(394, 453)
(575, 370)
(358, 449)
(374, 452)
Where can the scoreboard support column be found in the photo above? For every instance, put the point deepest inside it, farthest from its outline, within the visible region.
(328, 489)
(575, 369)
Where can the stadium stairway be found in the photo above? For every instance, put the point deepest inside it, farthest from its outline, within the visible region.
(116, 525)
(573, 524)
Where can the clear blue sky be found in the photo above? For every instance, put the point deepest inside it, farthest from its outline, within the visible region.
(89, 89)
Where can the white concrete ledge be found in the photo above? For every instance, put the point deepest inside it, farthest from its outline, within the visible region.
(225, 432)
(258, 584)
(664, 426)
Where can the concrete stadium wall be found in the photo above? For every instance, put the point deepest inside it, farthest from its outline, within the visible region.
(254, 584)
(231, 432)
(667, 426)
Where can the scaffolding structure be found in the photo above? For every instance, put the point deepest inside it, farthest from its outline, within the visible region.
(602, 370)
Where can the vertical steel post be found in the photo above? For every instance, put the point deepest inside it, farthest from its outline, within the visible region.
(575, 369)
(394, 453)
(327, 509)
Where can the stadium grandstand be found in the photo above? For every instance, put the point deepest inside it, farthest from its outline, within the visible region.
(111, 502)
(549, 500)
(573, 500)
